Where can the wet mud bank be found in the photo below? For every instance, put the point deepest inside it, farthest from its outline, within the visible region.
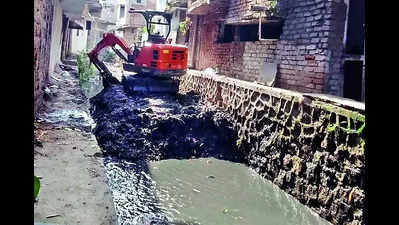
(156, 127)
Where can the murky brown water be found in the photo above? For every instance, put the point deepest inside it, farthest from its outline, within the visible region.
(217, 192)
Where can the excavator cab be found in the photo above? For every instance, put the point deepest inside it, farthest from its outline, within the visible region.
(156, 58)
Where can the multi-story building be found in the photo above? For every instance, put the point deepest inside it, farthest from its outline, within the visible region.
(178, 9)
(131, 26)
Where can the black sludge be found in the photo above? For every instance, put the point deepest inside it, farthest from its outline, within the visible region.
(132, 129)
(156, 127)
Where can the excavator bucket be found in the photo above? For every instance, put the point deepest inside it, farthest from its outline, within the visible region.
(146, 84)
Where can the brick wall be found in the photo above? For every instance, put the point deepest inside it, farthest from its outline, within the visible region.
(334, 75)
(235, 59)
(309, 50)
(43, 17)
(308, 53)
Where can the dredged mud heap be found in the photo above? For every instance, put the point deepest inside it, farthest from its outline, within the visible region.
(156, 127)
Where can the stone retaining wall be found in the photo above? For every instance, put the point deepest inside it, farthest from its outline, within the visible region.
(310, 145)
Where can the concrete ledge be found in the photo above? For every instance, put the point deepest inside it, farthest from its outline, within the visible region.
(344, 103)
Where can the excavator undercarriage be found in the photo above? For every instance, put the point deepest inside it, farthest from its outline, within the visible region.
(156, 66)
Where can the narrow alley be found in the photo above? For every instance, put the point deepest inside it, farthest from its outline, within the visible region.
(199, 112)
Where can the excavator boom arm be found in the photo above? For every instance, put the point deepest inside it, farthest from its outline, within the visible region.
(109, 40)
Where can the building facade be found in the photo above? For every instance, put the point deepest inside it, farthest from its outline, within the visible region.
(178, 9)
(54, 22)
(317, 45)
(130, 26)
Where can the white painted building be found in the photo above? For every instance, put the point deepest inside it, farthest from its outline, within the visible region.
(178, 10)
(56, 36)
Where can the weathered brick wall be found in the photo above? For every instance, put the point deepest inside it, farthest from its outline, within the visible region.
(311, 146)
(235, 59)
(135, 19)
(310, 46)
(308, 53)
(43, 19)
(334, 75)
(243, 59)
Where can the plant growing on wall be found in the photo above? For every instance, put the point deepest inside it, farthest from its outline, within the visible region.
(271, 6)
(36, 187)
(184, 26)
(85, 69)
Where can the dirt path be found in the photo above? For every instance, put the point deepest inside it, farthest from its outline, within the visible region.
(67, 159)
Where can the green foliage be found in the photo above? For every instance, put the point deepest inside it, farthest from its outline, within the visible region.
(238, 143)
(143, 30)
(85, 69)
(331, 127)
(271, 7)
(185, 25)
(108, 56)
(36, 187)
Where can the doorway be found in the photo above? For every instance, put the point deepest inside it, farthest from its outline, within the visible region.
(353, 79)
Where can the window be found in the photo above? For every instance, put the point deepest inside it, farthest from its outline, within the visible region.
(225, 34)
(269, 31)
(77, 32)
(138, 1)
(88, 25)
(248, 32)
(122, 11)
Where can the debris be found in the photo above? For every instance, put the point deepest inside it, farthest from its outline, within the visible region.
(350, 196)
(42, 154)
(211, 176)
(195, 190)
(167, 132)
(53, 215)
(38, 143)
(98, 155)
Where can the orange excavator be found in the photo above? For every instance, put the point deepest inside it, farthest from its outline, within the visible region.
(157, 64)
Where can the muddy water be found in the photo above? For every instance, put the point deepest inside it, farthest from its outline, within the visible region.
(211, 191)
(206, 191)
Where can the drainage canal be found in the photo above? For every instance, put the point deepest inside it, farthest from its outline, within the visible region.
(170, 160)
